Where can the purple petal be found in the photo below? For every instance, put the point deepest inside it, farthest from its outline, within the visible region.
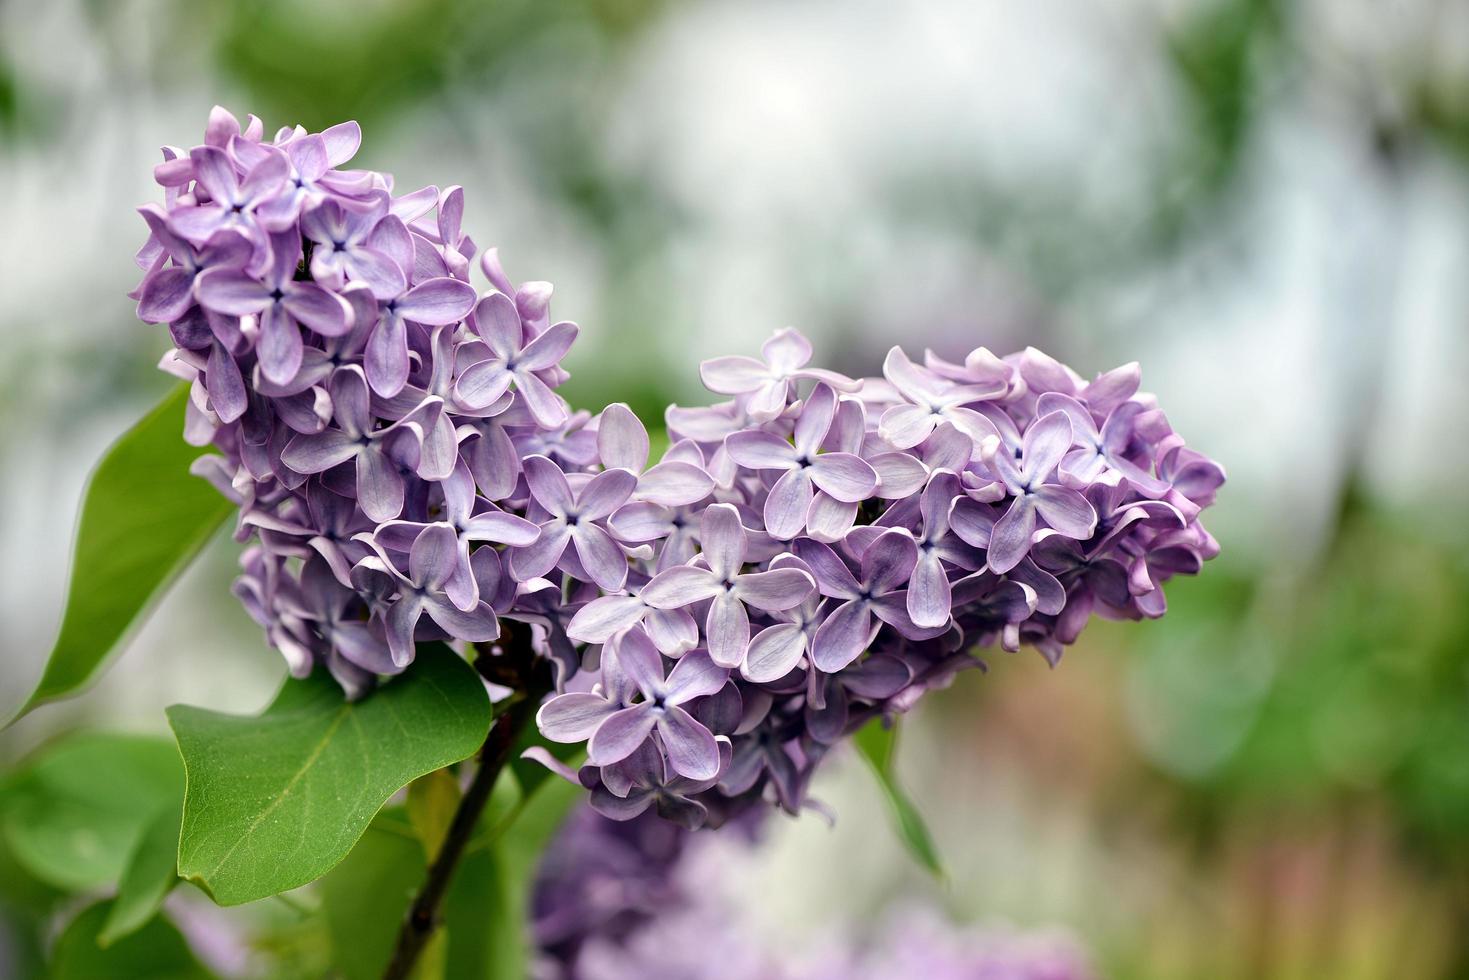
(548, 485)
(1066, 510)
(432, 559)
(498, 526)
(166, 294)
(929, 597)
(733, 375)
(326, 313)
(478, 625)
(673, 631)
(225, 384)
(639, 661)
(888, 561)
(1010, 539)
(972, 521)
(788, 504)
(437, 301)
(622, 441)
(386, 357)
(599, 619)
(600, 556)
(842, 637)
(833, 577)
(379, 485)
(641, 521)
(573, 717)
(544, 404)
(680, 586)
(905, 426)
(1046, 442)
(620, 735)
(760, 450)
(316, 453)
(231, 291)
(695, 675)
(722, 537)
(547, 350)
(815, 420)
(727, 630)
(537, 559)
(378, 270)
(691, 749)
(604, 493)
(846, 477)
(775, 590)
(674, 484)
(400, 623)
(773, 653)
(829, 519)
(499, 324)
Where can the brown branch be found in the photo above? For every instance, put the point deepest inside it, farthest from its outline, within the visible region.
(513, 664)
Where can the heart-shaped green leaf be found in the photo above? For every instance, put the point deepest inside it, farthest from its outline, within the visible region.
(275, 801)
(878, 745)
(74, 813)
(143, 520)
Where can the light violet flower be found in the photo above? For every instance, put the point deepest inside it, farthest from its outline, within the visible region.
(575, 519)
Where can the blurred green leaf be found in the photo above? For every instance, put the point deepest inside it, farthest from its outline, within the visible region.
(144, 518)
(365, 898)
(155, 952)
(432, 800)
(73, 815)
(878, 745)
(275, 801)
(150, 874)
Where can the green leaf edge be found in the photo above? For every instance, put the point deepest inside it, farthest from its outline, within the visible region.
(45, 691)
(877, 744)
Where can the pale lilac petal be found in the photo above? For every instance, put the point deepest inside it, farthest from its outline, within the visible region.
(844, 476)
(325, 312)
(317, 453)
(722, 538)
(1010, 539)
(760, 450)
(842, 637)
(1046, 442)
(544, 404)
(733, 375)
(830, 519)
(604, 493)
(622, 441)
(727, 630)
(599, 619)
(899, 474)
(620, 734)
(382, 274)
(481, 383)
(888, 561)
(166, 295)
(833, 577)
(386, 357)
(639, 661)
(673, 631)
(434, 554)
(1066, 510)
(691, 749)
(437, 301)
(499, 324)
(400, 622)
(279, 348)
(573, 717)
(547, 350)
(379, 486)
(775, 590)
(675, 484)
(600, 556)
(972, 521)
(478, 625)
(641, 521)
(342, 141)
(231, 291)
(226, 385)
(905, 426)
(929, 596)
(537, 559)
(815, 420)
(786, 351)
(498, 526)
(773, 653)
(680, 586)
(694, 676)
(548, 485)
(788, 504)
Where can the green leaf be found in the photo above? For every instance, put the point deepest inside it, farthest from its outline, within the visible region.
(144, 517)
(275, 801)
(432, 800)
(878, 745)
(155, 952)
(74, 813)
(365, 898)
(150, 874)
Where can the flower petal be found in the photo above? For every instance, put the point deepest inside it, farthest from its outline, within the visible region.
(844, 476)
(600, 557)
(1010, 539)
(437, 301)
(694, 676)
(680, 586)
(622, 440)
(733, 375)
(788, 504)
(773, 653)
(757, 449)
(692, 751)
(775, 590)
(842, 637)
(722, 537)
(599, 619)
(727, 630)
(574, 716)
(620, 734)
(1065, 510)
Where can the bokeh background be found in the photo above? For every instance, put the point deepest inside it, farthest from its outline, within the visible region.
(1265, 202)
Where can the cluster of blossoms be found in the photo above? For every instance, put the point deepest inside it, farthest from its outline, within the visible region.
(645, 898)
(813, 552)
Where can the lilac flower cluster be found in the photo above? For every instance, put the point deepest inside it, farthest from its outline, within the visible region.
(811, 553)
(645, 898)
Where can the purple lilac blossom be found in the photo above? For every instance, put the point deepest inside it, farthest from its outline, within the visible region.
(814, 552)
(626, 900)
